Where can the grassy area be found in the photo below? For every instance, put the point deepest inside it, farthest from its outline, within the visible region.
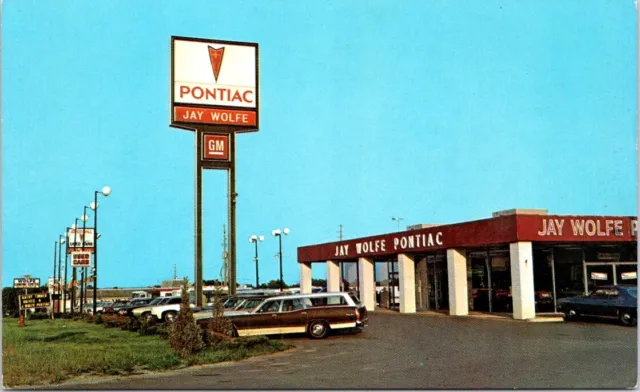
(49, 351)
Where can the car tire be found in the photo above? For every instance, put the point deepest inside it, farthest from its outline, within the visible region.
(570, 314)
(318, 329)
(170, 316)
(627, 318)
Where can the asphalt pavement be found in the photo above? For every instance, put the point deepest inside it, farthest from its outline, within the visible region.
(423, 351)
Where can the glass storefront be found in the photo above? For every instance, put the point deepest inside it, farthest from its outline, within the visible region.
(490, 282)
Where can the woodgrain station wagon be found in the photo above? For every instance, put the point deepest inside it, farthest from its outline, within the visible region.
(314, 314)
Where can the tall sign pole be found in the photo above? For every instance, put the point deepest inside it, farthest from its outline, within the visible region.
(198, 222)
(232, 215)
(214, 92)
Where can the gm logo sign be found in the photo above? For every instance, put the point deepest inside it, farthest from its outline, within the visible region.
(215, 147)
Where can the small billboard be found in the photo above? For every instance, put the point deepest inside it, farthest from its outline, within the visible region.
(26, 283)
(80, 239)
(80, 259)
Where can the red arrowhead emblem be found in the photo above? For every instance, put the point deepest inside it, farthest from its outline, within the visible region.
(215, 55)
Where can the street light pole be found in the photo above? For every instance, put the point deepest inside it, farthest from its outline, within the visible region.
(73, 275)
(278, 233)
(66, 258)
(254, 238)
(399, 218)
(106, 191)
(83, 294)
(60, 289)
(52, 289)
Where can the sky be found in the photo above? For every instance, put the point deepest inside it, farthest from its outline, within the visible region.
(433, 111)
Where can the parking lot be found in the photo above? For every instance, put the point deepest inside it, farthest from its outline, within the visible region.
(424, 351)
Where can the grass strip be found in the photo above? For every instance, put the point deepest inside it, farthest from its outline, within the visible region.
(49, 351)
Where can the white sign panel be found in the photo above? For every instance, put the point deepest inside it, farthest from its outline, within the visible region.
(629, 275)
(599, 276)
(80, 259)
(214, 82)
(79, 238)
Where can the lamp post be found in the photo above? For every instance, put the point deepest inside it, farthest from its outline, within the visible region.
(397, 218)
(65, 289)
(60, 289)
(254, 238)
(278, 233)
(84, 218)
(73, 274)
(106, 191)
(52, 289)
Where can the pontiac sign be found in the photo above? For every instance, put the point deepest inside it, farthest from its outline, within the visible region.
(214, 82)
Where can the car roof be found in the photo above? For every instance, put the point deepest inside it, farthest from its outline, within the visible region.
(312, 295)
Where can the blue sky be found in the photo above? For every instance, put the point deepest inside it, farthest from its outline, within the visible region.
(435, 111)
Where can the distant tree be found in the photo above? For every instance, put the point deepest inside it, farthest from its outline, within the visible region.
(10, 305)
(184, 334)
(274, 284)
(319, 282)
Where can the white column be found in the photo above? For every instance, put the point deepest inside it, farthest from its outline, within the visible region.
(305, 278)
(367, 283)
(407, 277)
(457, 275)
(524, 305)
(333, 276)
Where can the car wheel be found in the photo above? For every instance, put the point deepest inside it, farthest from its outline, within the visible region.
(627, 318)
(170, 317)
(318, 329)
(145, 316)
(570, 314)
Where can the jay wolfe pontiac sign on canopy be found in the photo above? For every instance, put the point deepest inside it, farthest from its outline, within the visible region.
(492, 231)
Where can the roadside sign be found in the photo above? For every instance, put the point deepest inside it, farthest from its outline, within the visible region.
(80, 239)
(214, 82)
(26, 283)
(30, 301)
(80, 259)
(215, 147)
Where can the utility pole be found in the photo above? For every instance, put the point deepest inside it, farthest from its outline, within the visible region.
(175, 275)
(224, 271)
(341, 264)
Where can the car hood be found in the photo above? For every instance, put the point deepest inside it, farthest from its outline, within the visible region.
(142, 309)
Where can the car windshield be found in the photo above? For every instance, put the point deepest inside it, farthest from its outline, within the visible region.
(633, 292)
(157, 300)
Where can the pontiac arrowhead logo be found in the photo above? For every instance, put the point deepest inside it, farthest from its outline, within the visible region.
(216, 55)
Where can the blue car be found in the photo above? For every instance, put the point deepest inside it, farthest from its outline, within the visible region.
(620, 302)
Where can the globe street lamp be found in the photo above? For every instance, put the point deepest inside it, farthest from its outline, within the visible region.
(106, 191)
(278, 233)
(254, 238)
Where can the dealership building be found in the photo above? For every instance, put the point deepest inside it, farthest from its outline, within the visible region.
(519, 261)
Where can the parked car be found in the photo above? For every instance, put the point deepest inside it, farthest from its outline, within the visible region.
(168, 310)
(144, 311)
(115, 306)
(619, 302)
(245, 305)
(314, 314)
(133, 304)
